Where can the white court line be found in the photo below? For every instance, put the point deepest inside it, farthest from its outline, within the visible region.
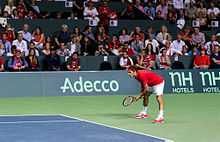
(131, 131)
(40, 122)
(11, 115)
(8, 115)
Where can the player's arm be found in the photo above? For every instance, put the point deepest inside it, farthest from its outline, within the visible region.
(144, 91)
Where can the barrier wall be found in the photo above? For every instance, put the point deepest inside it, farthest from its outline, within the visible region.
(93, 63)
(102, 83)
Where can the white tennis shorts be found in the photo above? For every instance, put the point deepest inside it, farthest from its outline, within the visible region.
(157, 89)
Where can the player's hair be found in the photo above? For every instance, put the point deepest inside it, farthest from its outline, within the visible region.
(133, 68)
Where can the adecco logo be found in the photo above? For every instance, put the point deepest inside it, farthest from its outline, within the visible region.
(88, 86)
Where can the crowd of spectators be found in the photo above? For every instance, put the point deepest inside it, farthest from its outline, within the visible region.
(148, 49)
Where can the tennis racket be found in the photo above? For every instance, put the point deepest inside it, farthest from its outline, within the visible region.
(128, 100)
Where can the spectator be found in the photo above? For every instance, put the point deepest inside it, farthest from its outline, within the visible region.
(101, 51)
(74, 45)
(201, 10)
(178, 45)
(10, 33)
(53, 62)
(149, 10)
(164, 60)
(9, 7)
(213, 10)
(145, 61)
(202, 61)
(32, 46)
(87, 47)
(181, 20)
(63, 36)
(38, 37)
(32, 60)
(153, 42)
(211, 44)
(162, 8)
(150, 31)
(177, 64)
(62, 51)
(17, 62)
(166, 45)
(73, 63)
(31, 15)
(114, 45)
(76, 32)
(90, 12)
(21, 44)
(15, 14)
(215, 57)
(126, 47)
(190, 11)
(186, 36)
(198, 38)
(163, 34)
(6, 45)
(26, 34)
(138, 5)
(77, 8)
(88, 32)
(104, 14)
(124, 37)
(22, 10)
(50, 40)
(6, 15)
(202, 20)
(128, 12)
(137, 45)
(171, 15)
(13, 51)
(46, 50)
(138, 31)
(125, 61)
(2, 63)
(101, 35)
(35, 6)
(178, 4)
(151, 55)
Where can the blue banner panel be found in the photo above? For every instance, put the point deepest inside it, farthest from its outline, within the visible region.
(103, 83)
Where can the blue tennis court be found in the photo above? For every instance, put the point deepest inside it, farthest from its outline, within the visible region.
(60, 128)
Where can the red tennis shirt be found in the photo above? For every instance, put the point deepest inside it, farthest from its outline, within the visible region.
(148, 77)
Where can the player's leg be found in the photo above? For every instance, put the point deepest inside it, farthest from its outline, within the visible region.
(145, 103)
(161, 107)
(144, 113)
(158, 89)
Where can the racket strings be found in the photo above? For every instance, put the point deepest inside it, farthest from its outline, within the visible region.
(128, 100)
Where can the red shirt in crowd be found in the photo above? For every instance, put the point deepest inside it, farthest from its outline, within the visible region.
(21, 11)
(202, 60)
(148, 77)
(147, 59)
(10, 35)
(74, 64)
(1, 61)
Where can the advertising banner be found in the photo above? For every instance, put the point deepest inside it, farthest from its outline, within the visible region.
(103, 83)
(191, 81)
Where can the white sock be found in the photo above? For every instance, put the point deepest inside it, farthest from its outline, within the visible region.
(145, 108)
(160, 115)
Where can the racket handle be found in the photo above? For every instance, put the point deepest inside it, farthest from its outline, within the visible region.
(138, 98)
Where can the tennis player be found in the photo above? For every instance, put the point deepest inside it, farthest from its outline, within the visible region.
(151, 83)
